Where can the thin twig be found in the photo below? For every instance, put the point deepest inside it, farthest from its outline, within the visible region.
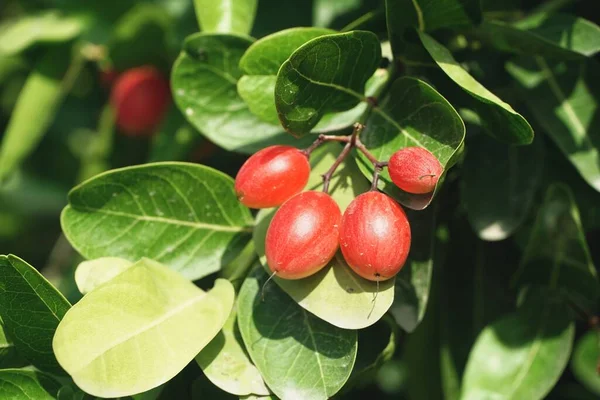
(378, 166)
(327, 176)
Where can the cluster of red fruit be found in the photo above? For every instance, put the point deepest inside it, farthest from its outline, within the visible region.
(308, 228)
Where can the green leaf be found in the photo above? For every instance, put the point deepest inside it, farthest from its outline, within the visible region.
(31, 309)
(9, 357)
(326, 74)
(499, 183)
(225, 363)
(584, 363)
(563, 98)
(183, 215)
(557, 254)
(21, 384)
(204, 80)
(299, 355)
(139, 330)
(93, 273)
(522, 355)
(225, 16)
(413, 114)
(335, 294)
(46, 27)
(498, 118)
(548, 35)
(43, 92)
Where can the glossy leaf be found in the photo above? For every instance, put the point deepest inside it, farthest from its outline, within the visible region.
(413, 114)
(139, 330)
(326, 74)
(46, 27)
(9, 357)
(186, 216)
(499, 183)
(225, 363)
(563, 98)
(545, 34)
(204, 80)
(522, 355)
(498, 118)
(43, 92)
(225, 16)
(584, 363)
(298, 354)
(31, 309)
(93, 273)
(21, 384)
(557, 254)
(335, 294)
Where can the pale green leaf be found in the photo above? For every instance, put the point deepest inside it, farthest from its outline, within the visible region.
(584, 363)
(498, 118)
(21, 384)
(138, 330)
(31, 309)
(93, 273)
(225, 16)
(258, 92)
(299, 355)
(184, 215)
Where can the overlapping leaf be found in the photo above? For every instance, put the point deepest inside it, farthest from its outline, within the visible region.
(226, 16)
(93, 273)
(584, 363)
(186, 216)
(21, 384)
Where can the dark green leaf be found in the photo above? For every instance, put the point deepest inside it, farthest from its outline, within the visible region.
(497, 117)
(557, 254)
(186, 216)
(31, 309)
(9, 357)
(175, 138)
(585, 360)
(326, 74)
(549, 35)
(499, 183)
(21, 384)
(563, 97)
(204, 80)
(299, 355)
(226, 16)
(522, 355)
(413, 114)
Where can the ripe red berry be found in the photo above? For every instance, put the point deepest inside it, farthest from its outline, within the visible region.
(303, 235)
(415, 170)
(271, 176)
(140, 97)
(375, 236)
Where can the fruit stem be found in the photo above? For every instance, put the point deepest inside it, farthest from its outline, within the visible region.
(262, 291)
(379, 165)
(327, 176)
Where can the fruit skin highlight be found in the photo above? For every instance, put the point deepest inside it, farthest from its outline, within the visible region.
(303, 235)
(415, 170)
(271, 176)
(375, 236)
(140, 97)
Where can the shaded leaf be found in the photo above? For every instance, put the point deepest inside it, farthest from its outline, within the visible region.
(522, 355)
(31, 309)
(498, 118)
(326, 74)
(563, 98)
(225, 363)
(413, 114)
(584, 363)
(93, 273)
(21, 384)
(225, 16)
(139, 330)
(184, 215)
(557, 254)
(9, 357)
(499, 183)
(298, 355)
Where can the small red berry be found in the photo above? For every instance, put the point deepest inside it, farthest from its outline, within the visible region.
(271, 176)
(375, 236)
(140, 97)
(303, 235)
(415, 170)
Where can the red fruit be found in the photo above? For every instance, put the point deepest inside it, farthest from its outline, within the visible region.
(271, 176)
(303, 236)
(375, 236)
(140, 97)
(415, 170)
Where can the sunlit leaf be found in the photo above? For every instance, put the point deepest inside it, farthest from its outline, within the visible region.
(225, 16)
(21, 384)
(93, 273)
(584, 363)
